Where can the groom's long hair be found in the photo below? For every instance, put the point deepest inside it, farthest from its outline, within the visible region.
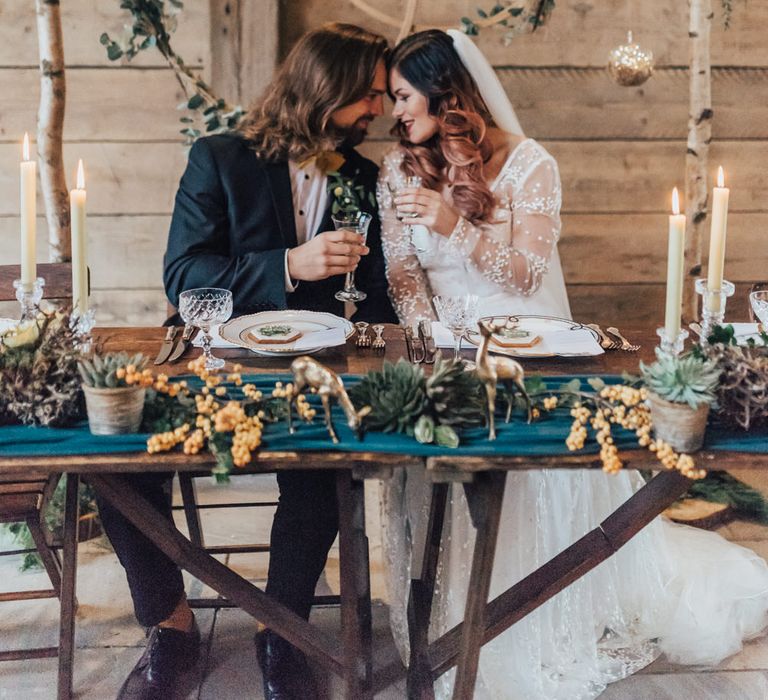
(328, 68)
(428, 61)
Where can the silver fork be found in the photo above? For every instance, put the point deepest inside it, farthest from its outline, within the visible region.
(625, 344)
(606, 343)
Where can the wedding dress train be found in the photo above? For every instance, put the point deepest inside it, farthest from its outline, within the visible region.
(684, 592)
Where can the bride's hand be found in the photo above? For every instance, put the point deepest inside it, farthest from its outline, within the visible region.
(429, 209)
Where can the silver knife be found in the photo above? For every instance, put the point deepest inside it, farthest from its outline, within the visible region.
(183, 343)
(167, 346)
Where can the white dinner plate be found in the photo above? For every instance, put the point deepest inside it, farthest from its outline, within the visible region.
(537, 325)
(237, 330)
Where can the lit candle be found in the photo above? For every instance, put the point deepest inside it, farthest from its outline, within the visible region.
(717, 240)
(675, 260)
(27, 211)
(79, 241)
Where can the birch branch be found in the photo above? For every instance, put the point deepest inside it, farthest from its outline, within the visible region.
(50, 128)
(697, 154)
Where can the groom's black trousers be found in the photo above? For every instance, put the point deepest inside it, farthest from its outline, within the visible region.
(305, 526)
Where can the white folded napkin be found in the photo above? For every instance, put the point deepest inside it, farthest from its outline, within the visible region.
(564, 342)
(744, 331)
(308, 341)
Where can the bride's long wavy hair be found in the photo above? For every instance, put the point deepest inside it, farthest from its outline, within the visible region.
(461, 146)
(328, 68)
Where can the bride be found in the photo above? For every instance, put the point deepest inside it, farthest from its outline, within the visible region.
(486, 220)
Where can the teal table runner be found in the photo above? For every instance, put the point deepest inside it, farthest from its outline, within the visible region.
(544, 437)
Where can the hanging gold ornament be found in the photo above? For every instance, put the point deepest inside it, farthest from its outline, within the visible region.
(629, 64)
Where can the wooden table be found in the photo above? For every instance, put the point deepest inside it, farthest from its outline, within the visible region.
(483, 479)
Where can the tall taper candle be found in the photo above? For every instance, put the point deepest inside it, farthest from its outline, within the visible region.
(27, 211)
(79, 244)
(717, 233)
(675, 264)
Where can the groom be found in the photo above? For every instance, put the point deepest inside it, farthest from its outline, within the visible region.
(253, 215)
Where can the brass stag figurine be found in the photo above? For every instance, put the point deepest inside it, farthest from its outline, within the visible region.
(492, 370)
(308, 372)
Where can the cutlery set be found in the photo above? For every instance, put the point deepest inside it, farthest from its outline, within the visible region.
(175, 343)
(421, 348)
(612, 339)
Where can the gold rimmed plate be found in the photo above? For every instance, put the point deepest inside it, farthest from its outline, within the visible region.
(535, 326)
(246, 330)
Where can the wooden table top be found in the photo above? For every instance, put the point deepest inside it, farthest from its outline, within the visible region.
(347, 359)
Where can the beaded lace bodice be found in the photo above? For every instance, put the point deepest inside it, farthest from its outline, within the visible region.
(507, 257)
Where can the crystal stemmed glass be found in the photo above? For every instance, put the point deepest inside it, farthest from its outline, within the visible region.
(458, 314)
(358, 223)
(202, 308)
(409, 182)
(758, 300)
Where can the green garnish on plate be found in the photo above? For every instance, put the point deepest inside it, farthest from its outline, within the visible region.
(274, 330)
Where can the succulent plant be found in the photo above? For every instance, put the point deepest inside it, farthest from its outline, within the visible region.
(102, 371)
(689, 378)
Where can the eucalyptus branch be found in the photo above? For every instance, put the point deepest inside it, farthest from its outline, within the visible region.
(153, 24)
(517, 18)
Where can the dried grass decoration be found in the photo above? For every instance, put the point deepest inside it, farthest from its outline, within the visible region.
(742, 396)
(39, 381)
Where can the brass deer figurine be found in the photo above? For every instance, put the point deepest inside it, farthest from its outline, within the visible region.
(491, 370)
(308, 372)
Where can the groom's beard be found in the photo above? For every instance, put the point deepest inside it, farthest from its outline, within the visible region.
(354, 135)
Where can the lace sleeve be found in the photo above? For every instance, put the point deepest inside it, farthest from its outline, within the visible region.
(532, 202)
(408, 284)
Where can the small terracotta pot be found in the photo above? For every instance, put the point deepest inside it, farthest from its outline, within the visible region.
(114, 411)
(679, 425)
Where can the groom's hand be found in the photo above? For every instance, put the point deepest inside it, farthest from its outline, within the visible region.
(327, 254)
(428, 208)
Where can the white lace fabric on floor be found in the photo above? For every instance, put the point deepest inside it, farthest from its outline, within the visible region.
(671, 589)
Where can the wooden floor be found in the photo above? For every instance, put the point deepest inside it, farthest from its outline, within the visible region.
(109, 641)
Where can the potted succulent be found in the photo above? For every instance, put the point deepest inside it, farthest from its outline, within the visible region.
(681, 390)
(114, 386)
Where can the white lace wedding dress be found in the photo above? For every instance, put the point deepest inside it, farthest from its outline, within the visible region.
(684, 592)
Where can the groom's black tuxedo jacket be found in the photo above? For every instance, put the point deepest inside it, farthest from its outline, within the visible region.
(233, 221)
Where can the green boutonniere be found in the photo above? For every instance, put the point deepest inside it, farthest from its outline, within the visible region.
(347, 195)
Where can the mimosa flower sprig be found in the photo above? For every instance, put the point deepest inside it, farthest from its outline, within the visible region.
(224, 414)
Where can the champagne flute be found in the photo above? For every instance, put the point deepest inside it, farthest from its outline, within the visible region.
(358, 223)
(203, 307)
(410, 182)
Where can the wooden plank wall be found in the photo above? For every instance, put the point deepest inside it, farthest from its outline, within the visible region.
(620, 149)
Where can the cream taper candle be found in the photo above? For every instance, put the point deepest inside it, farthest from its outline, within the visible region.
(27, 212)
(675, 265)
(716, 261)
(77, 199)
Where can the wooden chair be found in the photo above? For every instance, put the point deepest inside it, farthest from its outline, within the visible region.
(24, 499)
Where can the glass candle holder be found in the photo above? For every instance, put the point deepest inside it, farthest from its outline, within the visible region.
(29, 297)
(712, 305)
(83, 324)
(671, 346)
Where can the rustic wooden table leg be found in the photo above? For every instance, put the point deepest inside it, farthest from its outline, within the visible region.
(356, 626)
(420, 684)
(68, 582)
(565, 568)
(485, 496)
(322, 647)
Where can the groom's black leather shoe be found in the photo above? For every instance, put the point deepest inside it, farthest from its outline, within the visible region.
(168, 654)
(284, 669)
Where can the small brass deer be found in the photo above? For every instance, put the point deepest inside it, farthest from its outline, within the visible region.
(491, 370)
(308, 372)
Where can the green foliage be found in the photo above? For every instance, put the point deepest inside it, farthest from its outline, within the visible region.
(688, 378)
(721, 487)
(513, 18)
(153, 23)
(432, 409)
(101, 371)
(346, 194)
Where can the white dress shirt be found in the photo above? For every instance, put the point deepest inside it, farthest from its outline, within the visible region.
(310, 197)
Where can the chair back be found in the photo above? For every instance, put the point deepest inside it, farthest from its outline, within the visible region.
(57, 276)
